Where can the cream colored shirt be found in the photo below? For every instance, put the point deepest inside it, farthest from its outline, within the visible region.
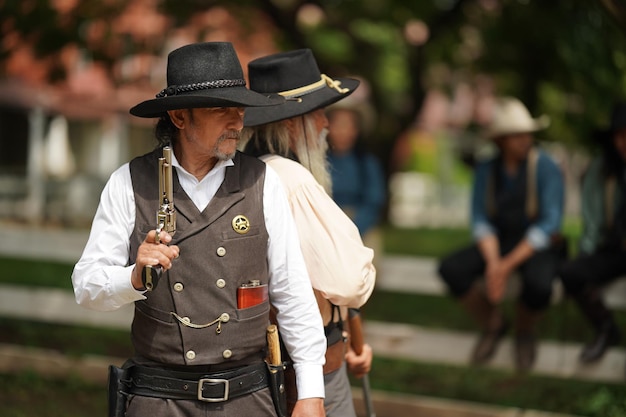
(340, 267)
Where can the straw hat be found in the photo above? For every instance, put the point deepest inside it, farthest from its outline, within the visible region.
(510, 116)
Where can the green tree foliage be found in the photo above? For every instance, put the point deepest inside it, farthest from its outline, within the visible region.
(566, 58)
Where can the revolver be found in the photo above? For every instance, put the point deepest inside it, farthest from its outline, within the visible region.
(165, 216)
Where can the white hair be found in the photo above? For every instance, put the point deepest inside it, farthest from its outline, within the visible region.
(303, 142)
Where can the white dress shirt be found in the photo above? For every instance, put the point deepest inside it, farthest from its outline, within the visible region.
(102, 276)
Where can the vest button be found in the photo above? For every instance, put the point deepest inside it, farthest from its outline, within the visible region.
(224, 317)
(190, 354)
(221, 251)
(227, 354)
(178, 287)
(220, 283)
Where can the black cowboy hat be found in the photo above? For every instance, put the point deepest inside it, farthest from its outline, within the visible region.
(618, 122)
(203, 75)
(295, 76)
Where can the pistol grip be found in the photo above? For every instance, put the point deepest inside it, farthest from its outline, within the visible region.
(150, 276)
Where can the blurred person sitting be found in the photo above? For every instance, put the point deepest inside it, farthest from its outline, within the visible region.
(358, 181)
(603, 242)
(516, 212)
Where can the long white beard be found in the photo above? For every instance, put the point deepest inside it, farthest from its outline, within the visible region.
(313, 157)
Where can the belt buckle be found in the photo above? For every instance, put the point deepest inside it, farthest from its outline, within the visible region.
(203, 381)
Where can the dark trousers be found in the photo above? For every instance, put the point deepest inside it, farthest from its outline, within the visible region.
(594, 270)
(461, 269)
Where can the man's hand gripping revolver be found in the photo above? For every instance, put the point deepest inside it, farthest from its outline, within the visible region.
(154, 255)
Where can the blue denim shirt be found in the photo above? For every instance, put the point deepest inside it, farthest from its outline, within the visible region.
(358, 187)
(551, 194)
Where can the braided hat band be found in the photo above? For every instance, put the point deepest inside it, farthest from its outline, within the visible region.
(203, 75)
(173, 90)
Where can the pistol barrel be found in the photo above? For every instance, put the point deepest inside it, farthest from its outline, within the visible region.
(168, 189)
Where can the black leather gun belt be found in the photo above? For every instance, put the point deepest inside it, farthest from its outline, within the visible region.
(208, 387)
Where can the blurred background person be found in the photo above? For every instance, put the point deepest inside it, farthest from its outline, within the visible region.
(358, 180)
(603, 241)
(516, 211)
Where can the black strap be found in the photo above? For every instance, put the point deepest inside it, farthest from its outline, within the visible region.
(334, 333)
(494, 186)
(208, 387)
(334, 329)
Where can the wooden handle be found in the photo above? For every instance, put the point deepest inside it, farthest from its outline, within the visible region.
(273, 345)
(356, 330)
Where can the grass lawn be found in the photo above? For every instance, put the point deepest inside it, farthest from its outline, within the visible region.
(423, 241)
(500, 388)
(36, 273)
(562, 322)
(437, 242)
(75, 398)
(31, 395)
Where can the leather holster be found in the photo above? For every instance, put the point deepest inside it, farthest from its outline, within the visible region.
(117, 391)
(278, 389)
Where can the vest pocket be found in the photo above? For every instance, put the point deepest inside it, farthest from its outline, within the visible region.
(251, 329)
(143, 309)
(253, 312)
(232, 234)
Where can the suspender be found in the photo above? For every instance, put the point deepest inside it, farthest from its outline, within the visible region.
(532, 198)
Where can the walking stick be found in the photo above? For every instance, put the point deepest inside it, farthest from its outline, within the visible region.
(356, 341)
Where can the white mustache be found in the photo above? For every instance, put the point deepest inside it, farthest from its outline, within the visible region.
(231, 134)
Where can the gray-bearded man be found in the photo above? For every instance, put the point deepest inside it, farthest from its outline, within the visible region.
(199, 353)
(291, 138)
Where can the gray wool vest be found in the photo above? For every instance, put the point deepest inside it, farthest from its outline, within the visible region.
(191, 318)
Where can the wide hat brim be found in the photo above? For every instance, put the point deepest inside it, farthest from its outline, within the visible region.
(304, 104)
(296, 76)
(218, 97)
(510, 116)
(528, 126)
(205, 74)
